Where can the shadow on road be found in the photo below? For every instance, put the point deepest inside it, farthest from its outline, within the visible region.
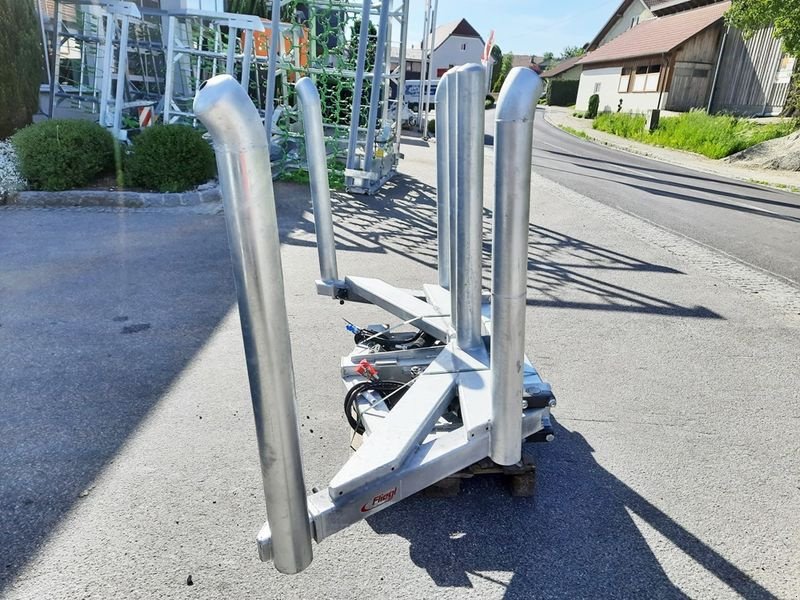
(575, 539)
(685, 190)
(564, 271)
(101, 311)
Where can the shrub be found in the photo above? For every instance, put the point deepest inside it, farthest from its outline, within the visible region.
(432, 127)
(62, 154)
(10, 178)
(169, 158)
(562, 93)
(21, 65)
(594, 104)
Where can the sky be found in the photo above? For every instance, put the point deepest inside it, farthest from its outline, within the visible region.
(521, 26)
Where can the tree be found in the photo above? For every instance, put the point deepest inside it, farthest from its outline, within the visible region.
(21, 62)
(497, 57)
(571, 51)
(505, 67)
(751, 15)
(548, 57)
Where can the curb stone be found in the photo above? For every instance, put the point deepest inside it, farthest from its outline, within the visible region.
(126, 199)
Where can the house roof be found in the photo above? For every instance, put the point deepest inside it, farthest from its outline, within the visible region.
(666, 7)
(658, 36)
(411, 53)
(521, 60)
(564, 65)
(460, 27)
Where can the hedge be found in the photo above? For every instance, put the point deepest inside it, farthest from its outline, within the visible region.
(21, 63)
(562, 92)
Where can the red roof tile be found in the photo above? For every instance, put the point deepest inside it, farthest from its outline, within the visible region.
(658, 36)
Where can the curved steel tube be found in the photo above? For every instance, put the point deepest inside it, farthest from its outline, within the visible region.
(311, 106)
(467, 234)
(443, 182)
(242, 152)
(513, 146)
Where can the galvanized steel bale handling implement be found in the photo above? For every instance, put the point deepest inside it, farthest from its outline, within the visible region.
(428, 403)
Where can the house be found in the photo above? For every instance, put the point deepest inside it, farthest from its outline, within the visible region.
(566, 70)
(678, 55)
(455, 43)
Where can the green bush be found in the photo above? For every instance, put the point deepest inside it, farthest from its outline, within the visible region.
(712, 136)
(21, 64)
(594, 104)
(562, 93)
(431, 126)
(63, 154)
(169, 158)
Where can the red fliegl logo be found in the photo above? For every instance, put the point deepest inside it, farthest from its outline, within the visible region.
(382, 498)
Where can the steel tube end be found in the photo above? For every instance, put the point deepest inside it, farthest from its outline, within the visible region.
(519, 95)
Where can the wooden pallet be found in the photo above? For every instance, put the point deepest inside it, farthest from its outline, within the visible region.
(521, 477)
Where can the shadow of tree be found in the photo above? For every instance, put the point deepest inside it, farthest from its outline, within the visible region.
(563, 271)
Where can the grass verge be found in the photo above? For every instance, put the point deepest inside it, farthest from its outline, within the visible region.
(575, 132)
(714, 136)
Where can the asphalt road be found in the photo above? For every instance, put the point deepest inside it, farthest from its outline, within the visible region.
(754, 224)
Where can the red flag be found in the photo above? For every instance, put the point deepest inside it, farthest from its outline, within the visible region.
(487, 50)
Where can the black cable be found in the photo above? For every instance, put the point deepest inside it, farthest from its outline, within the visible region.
(383, 387)
(391, 342)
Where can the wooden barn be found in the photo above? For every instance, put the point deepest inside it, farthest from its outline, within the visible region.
(679, 56)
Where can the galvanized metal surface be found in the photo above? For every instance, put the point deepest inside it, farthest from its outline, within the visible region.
(466, 236)
(513, 146)
(244, 171)
(318, 175)
(443, 198)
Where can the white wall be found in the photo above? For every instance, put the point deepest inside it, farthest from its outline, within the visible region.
(636, 9)
(641, 102)
(608, 78)
(450, 53)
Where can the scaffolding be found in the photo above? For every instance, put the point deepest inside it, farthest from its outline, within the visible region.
(127, 58)
(104, 58)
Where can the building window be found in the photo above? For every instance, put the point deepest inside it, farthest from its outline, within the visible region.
(597, 88)
(639, 79)
(463, 47)
(646, 78)
(624, 80)
(634, 22)
(653, 75)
